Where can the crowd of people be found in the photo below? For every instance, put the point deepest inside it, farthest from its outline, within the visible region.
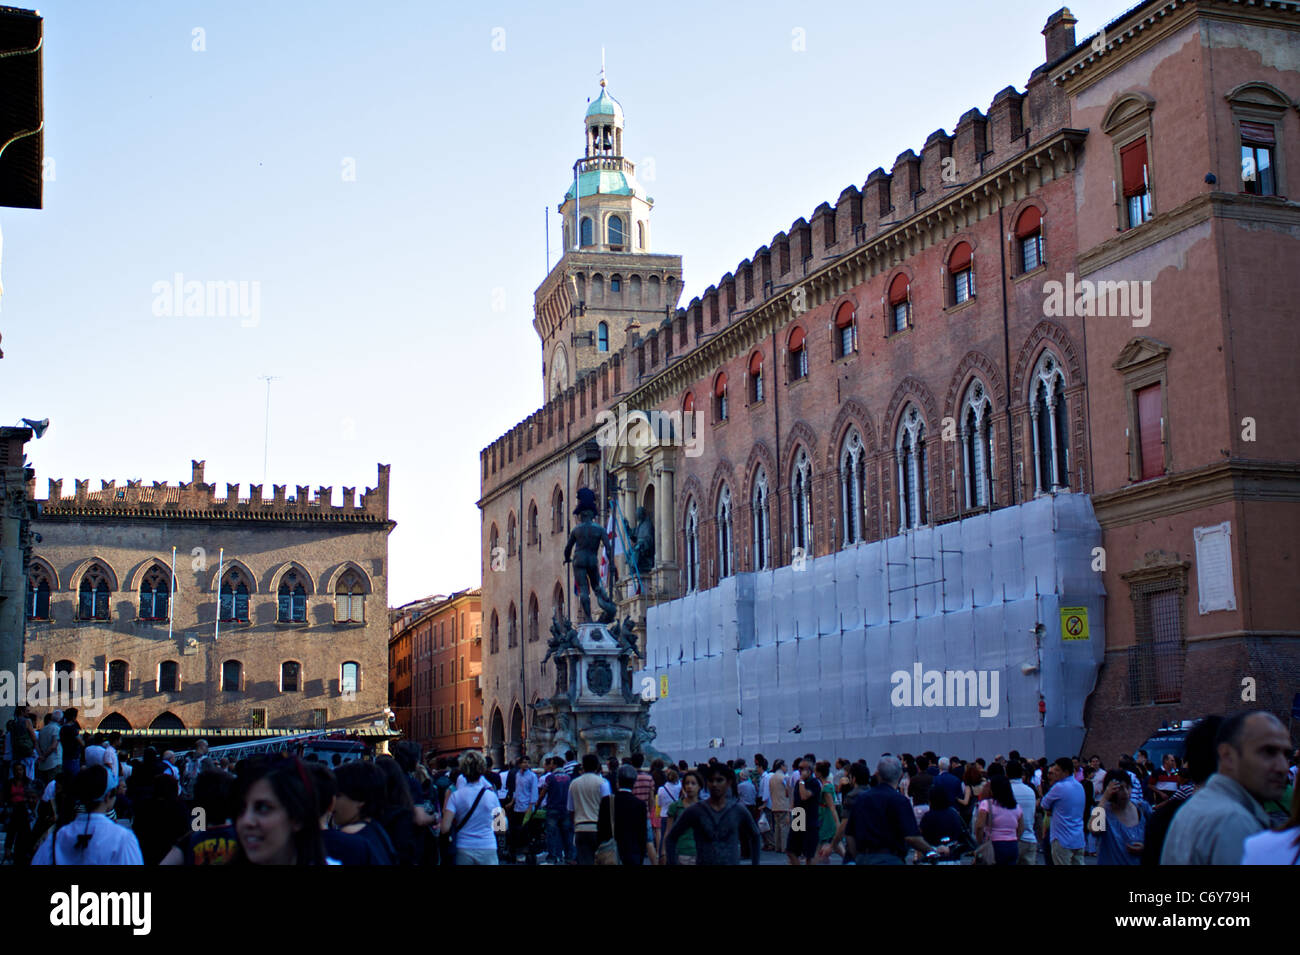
(73, 799)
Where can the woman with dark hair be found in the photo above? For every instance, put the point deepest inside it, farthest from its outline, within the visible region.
(1122, 841)
(360, 805)
(1003, 819)
(214, 842)
(972, 784)
(276, 819)
(691, 786)
(943, 821)
(398, 814)
(91, 838)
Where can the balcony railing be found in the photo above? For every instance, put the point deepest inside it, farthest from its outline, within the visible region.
(607, 163)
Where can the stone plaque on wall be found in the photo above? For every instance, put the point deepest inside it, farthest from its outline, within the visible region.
(1214, 568)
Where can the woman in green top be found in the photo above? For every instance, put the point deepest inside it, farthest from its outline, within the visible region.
(691, 786)
(829, 817)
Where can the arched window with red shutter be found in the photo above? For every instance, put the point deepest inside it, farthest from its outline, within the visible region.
(720, 397)
(961, 273)
(756, 377)
(899, 302)
(846, 331)
(797, 347)
(1029, 239)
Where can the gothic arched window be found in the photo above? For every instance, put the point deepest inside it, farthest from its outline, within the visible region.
(512, 626)
(853, 487)
(913, 488)
(977, 445)
(349, 599)
(234, 597)
(534, 632)
(93, 594)
(38, 594)
(494, 634)
(801, 517)
(724, 532)
(154, 593)
(1050, 421)
(762, 522)
(293, 599)
(692, 549)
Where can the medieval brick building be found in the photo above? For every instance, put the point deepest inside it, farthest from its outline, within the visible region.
(203, 614)
(1069, 316)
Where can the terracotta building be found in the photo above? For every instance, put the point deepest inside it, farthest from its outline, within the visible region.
(274, 618)
(1070, 310)
(435, 660)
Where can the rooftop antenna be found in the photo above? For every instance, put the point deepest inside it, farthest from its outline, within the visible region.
(602, 67)
(266, 440)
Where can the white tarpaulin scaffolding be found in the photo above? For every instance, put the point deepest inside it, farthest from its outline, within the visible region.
(943, 639)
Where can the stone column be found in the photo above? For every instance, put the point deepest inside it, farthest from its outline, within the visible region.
(665, 511)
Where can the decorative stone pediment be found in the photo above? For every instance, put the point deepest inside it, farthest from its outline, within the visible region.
(1156, 565)
(1127, 110)
(1140, 351)
(1259, 96)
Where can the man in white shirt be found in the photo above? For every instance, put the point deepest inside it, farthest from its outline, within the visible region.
(103, 842)
(1027, 801)
(585, 794)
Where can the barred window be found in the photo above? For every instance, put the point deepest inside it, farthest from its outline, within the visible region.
(1156, 662)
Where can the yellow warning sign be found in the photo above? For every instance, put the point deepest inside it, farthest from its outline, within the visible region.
(1074, 623)
(663, 685)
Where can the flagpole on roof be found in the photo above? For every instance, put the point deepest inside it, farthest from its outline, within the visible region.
(171, 597)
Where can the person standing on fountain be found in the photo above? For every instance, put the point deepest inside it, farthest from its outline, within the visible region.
(587, 537)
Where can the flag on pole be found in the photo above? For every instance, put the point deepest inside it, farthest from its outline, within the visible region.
(604, 553)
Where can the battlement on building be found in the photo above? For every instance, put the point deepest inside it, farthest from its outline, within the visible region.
(196, 499)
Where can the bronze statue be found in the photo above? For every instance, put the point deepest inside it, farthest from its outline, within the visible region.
(563, 637)
(587, 538)
(641, 551)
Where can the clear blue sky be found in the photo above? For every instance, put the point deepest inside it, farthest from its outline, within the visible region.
(376, 295)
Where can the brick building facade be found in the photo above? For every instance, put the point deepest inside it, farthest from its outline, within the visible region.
(921, 353)
(276, 618)
(435, 660)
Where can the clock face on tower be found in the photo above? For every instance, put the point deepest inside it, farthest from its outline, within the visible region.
(559, 373)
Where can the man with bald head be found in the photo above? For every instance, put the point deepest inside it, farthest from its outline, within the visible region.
(1213, 825)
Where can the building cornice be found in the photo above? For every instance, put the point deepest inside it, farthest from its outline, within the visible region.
(1274, 482)
(1272, 210)
(1139, 29)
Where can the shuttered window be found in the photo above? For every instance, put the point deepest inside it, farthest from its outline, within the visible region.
(1150, 443)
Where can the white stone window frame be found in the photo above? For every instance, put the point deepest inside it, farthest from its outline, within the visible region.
(977, 454)
(853, 488)
(912, 453)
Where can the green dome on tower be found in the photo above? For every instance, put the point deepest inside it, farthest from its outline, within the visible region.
(605, 105)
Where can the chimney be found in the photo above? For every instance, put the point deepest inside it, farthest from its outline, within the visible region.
(1060, 34)
(196, 472)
